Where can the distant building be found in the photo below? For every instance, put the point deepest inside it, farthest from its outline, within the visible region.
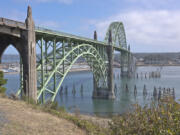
(140, 59)
(156, 60)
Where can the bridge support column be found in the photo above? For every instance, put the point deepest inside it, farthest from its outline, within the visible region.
(123, 64)
(29, 59)
(106, 93)
(3, 47)
(95, 92)
(110, 51)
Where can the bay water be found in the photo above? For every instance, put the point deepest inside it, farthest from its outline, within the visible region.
(83, 102)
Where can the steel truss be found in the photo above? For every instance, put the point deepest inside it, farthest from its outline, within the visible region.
(56, 59)
(118, 34)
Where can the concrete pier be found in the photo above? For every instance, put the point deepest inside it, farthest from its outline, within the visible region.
(106, 93)
(22, 37)
(29, 63)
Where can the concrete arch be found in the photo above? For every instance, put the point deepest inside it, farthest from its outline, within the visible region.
(6, 41)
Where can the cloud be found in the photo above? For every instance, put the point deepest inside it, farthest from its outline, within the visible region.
(21, 16)
(60, 1)
(48, 24)
(14, 15)
(152, 2)
(155, 30)
(48, 1)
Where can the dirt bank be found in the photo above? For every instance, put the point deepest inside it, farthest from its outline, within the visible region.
(18, 118)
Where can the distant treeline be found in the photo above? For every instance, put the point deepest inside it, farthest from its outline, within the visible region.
(162, 55)
(6, 58)
(170, 56)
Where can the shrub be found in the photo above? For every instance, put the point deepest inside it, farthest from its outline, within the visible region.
(54, 106)
(161, 119)
(2, 82)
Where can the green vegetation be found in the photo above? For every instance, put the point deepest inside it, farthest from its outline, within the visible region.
(161, 119)
(2, 82)
(89, 127)
(158, 119)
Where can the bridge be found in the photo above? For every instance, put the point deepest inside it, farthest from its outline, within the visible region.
(47, 56)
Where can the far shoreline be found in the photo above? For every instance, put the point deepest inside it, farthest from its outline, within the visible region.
(88, 70)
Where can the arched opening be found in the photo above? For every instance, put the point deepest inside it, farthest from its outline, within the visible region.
(10, 65)
(77, 87)
(56, 76)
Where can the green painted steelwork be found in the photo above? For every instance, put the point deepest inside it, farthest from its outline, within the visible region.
(50, 33)
(67, 59)
(118, 35)
(58, 51)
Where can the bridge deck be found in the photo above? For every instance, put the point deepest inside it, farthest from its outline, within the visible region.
(12, 23)
(42, 31)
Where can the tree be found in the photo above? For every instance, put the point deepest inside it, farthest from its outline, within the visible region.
(2, 82)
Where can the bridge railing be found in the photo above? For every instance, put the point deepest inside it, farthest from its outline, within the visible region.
(66, 35)
(12, 23)
(41, 30)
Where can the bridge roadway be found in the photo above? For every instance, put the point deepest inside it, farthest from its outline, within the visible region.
(41, 31)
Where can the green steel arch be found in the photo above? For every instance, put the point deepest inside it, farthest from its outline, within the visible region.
(118, 34)
(59, 51)
(59, 71)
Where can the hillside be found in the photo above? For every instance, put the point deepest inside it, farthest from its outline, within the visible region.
(18, 118)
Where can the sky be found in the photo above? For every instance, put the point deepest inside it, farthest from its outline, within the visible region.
(150, 25)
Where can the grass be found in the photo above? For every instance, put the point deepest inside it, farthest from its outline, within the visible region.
(161, 119)
(54, 109)
(88, 126)
(24, 118)
(158, 119)
(2, 82)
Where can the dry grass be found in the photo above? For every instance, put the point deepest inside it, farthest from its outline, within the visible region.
(24, 120)
(101, 122)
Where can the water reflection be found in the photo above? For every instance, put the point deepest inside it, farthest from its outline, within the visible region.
(103, 107)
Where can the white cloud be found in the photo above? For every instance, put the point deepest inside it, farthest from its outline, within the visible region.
(48, 1)
(60, 1)
(14, 15)
(157, 30)
(21, 16)
(147, 2)
(48, 24)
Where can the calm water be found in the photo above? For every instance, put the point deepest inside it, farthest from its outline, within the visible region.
(170, 78)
